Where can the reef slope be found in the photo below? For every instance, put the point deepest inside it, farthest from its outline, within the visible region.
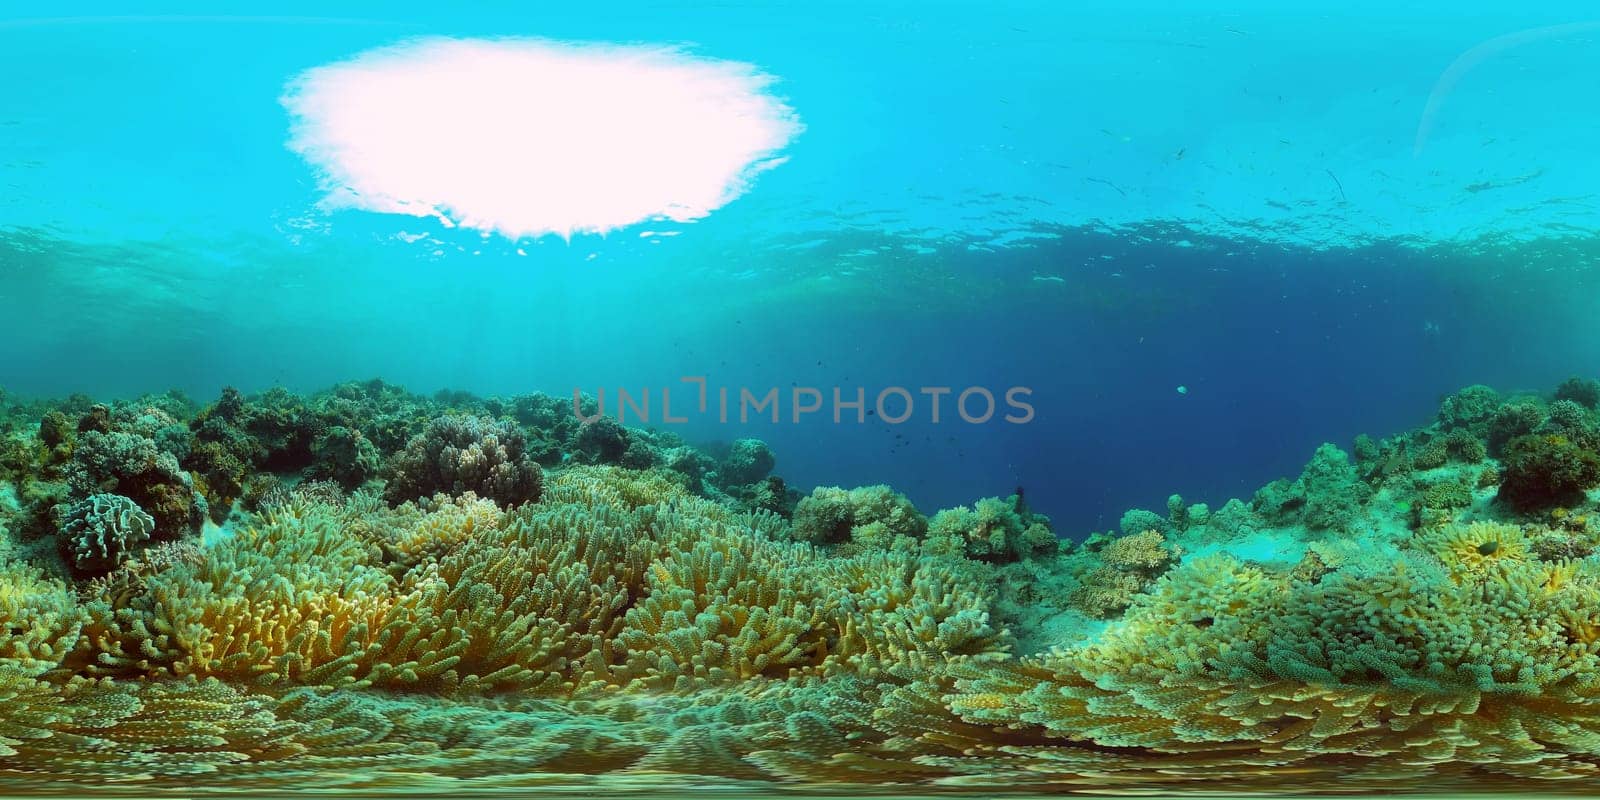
(369, 591)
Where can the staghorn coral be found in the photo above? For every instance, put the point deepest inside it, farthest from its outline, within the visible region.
(616, 487)
(423, 532)
(458, 454)
(40, 618)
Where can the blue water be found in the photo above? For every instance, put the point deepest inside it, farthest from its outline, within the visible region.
(1101, 203)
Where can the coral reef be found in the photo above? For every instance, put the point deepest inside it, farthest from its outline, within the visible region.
(459, 454)
(1543, 471)
(992, 529)
(1328, 496)
(133, 466)
(748, 461)
(873, 517)
(453, 593)
(1127, 566)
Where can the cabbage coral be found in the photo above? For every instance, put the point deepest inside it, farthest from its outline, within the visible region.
(103, 529)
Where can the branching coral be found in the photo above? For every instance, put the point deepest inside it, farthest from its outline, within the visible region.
(991, 530)
(1127, 565)
(458, 454)
(869, 517)
(40, 619)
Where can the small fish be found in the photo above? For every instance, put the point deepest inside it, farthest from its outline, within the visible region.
(1183, 389)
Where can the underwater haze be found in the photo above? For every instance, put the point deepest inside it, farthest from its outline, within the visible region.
(462, 311)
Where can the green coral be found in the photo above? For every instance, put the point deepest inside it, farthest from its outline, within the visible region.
(1471, 406)
(1447, 494)
(1126, 566)
(1583, 391)
(992, 529)
(831, 515)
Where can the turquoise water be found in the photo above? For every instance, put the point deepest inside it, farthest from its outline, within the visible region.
(1189, 243)
(1102, 203)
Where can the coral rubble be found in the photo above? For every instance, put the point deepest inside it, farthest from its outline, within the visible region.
(370, 590)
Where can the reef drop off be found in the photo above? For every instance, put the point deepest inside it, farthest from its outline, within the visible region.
(368, 590)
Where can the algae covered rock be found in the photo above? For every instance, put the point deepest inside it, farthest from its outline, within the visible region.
(1328, 496)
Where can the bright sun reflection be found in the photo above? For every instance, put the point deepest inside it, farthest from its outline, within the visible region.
(528, 137)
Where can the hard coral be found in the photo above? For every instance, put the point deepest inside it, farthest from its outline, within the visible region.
(103, 529)
(599, 440)
(831, 516)
(132, 466)
(1543, 471)
(991, 530)
(748, 461)
(1328, 496)
(1127, 566)
(1469, 407)
(1583, 391)
(460, 454)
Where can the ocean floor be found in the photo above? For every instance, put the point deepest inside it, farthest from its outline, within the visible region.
(364, 591)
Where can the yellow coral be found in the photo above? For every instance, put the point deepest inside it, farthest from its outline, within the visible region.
(39, 619)
(1126, 566)
(439, 527)
(621, 624)
(1470, 549)
(613, 486)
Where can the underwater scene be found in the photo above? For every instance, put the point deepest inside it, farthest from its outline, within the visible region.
(875, 399)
